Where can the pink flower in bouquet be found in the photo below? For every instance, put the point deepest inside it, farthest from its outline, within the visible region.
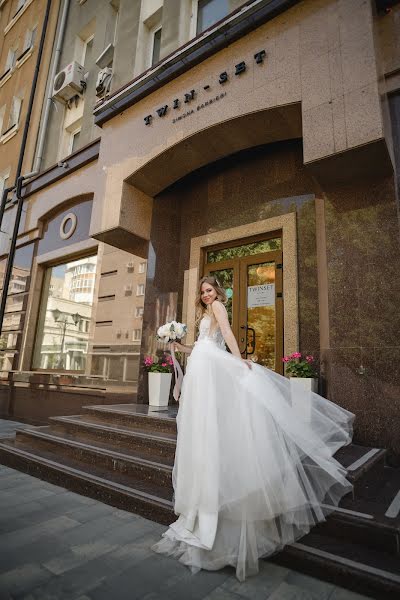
(309, 359)
(285, 359)
(296, 355)
(164, 364)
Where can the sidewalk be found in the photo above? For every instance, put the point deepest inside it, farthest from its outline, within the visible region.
(57, 545)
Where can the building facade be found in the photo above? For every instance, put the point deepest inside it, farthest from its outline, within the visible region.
(255, 140)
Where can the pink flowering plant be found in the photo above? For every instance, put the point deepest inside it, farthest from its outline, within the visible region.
(162, 364)
(299, 365)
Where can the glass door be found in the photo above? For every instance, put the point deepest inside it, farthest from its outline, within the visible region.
(251, 275)
(261, 323)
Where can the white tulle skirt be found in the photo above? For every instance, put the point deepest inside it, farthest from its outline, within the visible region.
(252, 471)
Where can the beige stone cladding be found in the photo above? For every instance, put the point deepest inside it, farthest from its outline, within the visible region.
(19, 43)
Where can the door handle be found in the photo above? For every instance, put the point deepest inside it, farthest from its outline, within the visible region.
(244, 339)
(253, 340)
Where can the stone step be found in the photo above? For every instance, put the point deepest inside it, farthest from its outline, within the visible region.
(116, 489)
(155, 475)
(155, 446)
(138, 416)
(345, 563)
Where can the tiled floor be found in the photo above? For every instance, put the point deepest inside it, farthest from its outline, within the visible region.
(57, 545)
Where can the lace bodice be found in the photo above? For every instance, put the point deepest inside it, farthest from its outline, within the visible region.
(215, 335)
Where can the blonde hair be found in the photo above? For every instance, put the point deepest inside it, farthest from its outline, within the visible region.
(201, 308)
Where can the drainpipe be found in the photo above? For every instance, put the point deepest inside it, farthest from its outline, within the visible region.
(53, 72)
(18, 178)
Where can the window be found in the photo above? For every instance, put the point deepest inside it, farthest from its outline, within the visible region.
(3, 183)
(142, 267)
(74, 141)
(139, 312)
(62, 338)
(15, 112)
(155, 57)
(30, 37)
(140, 289)
(209, 12)
(137, 334)
(2, 112)
(20, 4)
(87, 52)
(11, 59)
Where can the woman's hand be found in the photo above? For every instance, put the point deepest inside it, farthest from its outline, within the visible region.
(177, 347)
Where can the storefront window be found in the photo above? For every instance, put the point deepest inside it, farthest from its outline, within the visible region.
(62, 339)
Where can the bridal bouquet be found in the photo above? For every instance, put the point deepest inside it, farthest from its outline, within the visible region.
(170, 332)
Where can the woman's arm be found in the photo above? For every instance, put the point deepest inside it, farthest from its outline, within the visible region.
(182, 347)
(222, 318)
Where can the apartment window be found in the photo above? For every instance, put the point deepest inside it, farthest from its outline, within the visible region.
(62, 338)
(3, 183)
(139, 312)
(15, 112)
(11, 59)
(74, 141)
(87, 52)
(140, 289)
(142, 267)
(30, 37)
(209, 12)
(2, 112)
(137, 334)
(20, 4)
(155, 57)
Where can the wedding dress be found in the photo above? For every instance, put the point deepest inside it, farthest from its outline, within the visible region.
(253, 471)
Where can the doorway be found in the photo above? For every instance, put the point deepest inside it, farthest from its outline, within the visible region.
(251, 272)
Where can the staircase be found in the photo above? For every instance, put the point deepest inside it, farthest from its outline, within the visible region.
(123, 455)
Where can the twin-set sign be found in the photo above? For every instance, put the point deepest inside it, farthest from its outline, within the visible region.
(189, 97)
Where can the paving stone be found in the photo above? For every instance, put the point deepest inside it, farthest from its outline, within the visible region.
(148, 576)
(321, 589)
(83, 514)
(265, 582)
(77, 556)
(51, 527)
(23, 578)
(342, 594)
(220, 594)
(291, 592)
(194, 586)
(43, 549)
(23, 495)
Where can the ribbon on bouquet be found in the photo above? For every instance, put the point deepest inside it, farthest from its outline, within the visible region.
(178, 375)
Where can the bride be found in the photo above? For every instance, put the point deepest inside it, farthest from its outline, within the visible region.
(251, 474)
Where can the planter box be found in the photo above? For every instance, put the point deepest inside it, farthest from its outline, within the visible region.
(300, 388)
(159, 387)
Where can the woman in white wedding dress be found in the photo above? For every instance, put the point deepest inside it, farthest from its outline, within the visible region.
(251, 473)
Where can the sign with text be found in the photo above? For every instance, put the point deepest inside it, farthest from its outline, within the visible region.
(261, 295)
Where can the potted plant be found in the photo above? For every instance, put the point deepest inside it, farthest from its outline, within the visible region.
(160, 377)
(302, 373)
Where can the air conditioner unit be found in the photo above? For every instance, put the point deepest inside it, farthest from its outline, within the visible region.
(69, 82)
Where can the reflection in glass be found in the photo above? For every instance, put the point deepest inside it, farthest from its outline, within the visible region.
(245, 250)
(210, 12)
(225, 279)
(261, 316)
(63, 330)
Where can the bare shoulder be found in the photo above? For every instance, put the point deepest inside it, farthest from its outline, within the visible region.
(218, 308)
